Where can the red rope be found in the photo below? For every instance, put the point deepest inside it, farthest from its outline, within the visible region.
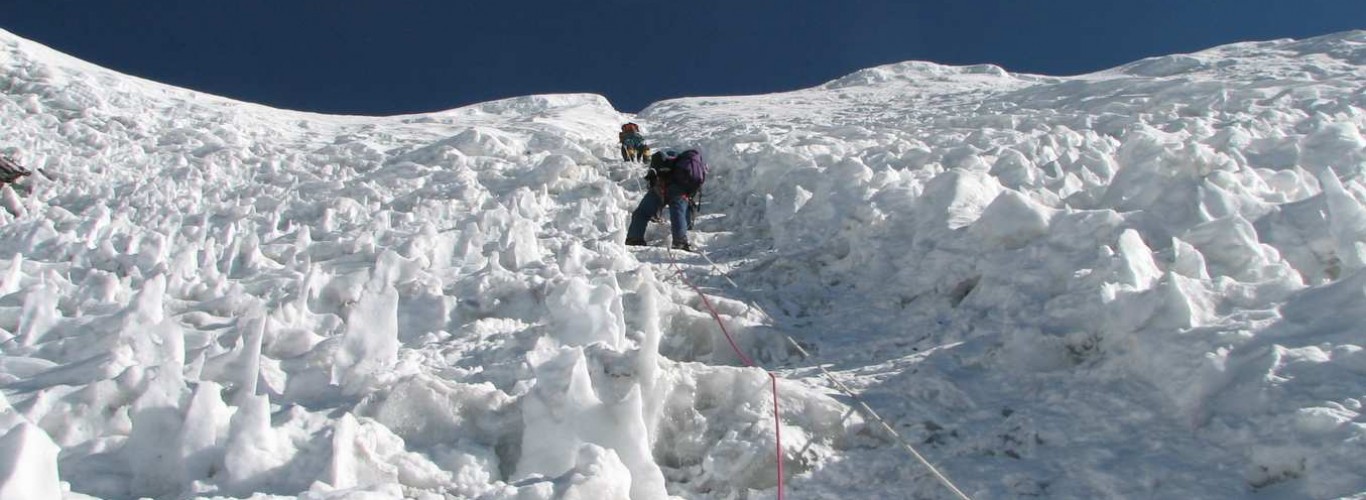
(773, 379)
(777, 432)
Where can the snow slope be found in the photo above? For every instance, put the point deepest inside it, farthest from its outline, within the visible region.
(1141, 283)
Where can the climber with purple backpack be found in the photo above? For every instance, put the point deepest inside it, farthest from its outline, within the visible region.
(675, 180)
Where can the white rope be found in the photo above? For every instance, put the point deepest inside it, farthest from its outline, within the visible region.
(869, 410)
(749, 304)
(943, 479)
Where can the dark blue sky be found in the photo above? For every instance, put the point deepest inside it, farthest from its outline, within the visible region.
(381, 57)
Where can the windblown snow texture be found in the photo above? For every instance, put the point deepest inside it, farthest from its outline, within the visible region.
(1140, 283)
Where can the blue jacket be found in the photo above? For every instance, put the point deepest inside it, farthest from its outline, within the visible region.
(631, 139)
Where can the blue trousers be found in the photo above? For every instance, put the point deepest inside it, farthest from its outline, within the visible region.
(649, 206)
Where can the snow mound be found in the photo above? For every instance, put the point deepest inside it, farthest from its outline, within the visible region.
(911, 71)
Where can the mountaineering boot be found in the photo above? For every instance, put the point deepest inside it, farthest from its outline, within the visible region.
(683, 245)
(635, 242)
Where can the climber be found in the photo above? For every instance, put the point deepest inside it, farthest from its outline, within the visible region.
(633, 147)
(674, 180)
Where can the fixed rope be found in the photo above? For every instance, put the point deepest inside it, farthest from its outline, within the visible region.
(943, 479)
(773, 379)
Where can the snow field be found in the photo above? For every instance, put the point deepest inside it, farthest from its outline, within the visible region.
(1151, 229)
(212, 298)
(1144, 282)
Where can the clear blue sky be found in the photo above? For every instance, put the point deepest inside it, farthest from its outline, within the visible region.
(403, 56)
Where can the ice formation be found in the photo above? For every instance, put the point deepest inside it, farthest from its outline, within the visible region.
(1143, 282)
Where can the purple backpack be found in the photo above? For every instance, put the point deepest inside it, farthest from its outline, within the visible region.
(690, 170)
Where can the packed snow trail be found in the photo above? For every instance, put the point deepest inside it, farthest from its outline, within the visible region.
(1021, 273)
(710, 266)
(797, 346)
